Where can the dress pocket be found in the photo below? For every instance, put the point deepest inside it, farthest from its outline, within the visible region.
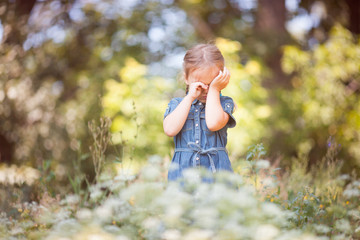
(189, 123)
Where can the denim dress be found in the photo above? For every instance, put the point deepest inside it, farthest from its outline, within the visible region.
(196, 145)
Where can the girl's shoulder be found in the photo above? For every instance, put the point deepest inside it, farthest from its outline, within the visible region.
(173, 103)
(176, 99)
(225, 99)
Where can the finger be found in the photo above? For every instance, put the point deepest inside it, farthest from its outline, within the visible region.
(200, 84)
(223, 76)
(203, 85)
(218, 76)
(227, 74)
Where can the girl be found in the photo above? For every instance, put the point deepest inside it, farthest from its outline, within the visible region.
(199, 121)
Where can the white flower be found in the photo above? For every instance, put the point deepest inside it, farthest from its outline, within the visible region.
(198, 234)
(270, 209)
(205, 217)
(266, 232)
(343, 225)
(150, 173)
(96, 194)
(173, 166)
(175, 211)
(262, 163)
(322, 229)
(268, 182)
(68, 226)
(122, 237)
(124, 177)
(72, 199)
(171, 234)
(350, 192)
(16, 231)
(155, 159)
(344, 177)
(84, 214)
(103, 213)
(151, 223)
(355, 214)
(192, 175)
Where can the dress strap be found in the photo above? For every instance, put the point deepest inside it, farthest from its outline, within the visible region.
(195, 147)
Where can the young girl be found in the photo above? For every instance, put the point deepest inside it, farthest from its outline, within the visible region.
(199, 121)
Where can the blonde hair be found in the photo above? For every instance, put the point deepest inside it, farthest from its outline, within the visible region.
(202, 55)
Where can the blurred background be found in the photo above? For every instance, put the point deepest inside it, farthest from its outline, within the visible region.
(295, 79)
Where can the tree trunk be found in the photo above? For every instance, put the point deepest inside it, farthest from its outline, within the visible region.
(354, 15)
(270, 30)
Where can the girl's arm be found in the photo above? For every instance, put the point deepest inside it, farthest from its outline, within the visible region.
(174, 122)
(216, 118)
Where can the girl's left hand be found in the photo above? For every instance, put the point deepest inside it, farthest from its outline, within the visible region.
(221, 80)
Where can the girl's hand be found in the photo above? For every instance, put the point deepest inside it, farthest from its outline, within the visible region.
(221, 80)
(196, 88)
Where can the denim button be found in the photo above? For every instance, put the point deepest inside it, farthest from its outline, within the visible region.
(197, 141)
(196, 124)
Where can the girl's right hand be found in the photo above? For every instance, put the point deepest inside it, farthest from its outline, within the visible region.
(221, 80)
(196, 88)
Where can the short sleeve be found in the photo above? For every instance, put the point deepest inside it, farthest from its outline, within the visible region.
(171, 106)
(228, 105)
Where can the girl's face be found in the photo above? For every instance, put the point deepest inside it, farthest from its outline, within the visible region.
(204, 75)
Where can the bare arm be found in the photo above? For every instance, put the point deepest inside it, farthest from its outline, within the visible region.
(215, 117)
(174, 122)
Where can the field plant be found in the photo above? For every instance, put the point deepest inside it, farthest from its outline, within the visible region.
(146, 207)
(101, 136)
(258, 204)
(325, 202)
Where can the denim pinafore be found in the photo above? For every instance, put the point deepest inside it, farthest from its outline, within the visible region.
(196, 145)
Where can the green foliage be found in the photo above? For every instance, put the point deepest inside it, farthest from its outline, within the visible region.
(324, 101)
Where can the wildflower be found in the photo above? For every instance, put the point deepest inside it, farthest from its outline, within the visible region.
(19, 210)
(151, 223)
(271, 200)
(72, 199)
(171, 234)
(266, 232)
(343, 225)
(321, 206)
(262, 163)
(351, 192)
(132, 200)
(113, 222)
(322, 228)
(306, 197)
(347, 202)
(84, 214)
